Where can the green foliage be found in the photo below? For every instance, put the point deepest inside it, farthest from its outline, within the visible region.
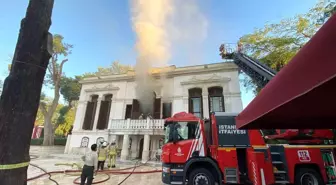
(62, 113)
(37, 141)
(68, 121)
(114, 68)
(276, 44)
(39, 120)
(70, 89)
(60, 47)
(57, 141)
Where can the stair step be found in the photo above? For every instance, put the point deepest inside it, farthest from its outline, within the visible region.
(278, 172)
(281, 182)
(275, 153)
(230, 175)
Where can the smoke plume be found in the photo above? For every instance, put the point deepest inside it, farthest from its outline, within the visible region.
(158, 25)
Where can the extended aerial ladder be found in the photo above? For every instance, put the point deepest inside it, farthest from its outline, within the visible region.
(261, 75)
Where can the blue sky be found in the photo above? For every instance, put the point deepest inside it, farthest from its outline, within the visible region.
(101, 30)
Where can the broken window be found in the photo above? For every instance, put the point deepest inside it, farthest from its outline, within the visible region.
(166, 110)
(128, 113)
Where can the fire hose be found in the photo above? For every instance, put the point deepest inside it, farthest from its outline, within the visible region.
(106, 172)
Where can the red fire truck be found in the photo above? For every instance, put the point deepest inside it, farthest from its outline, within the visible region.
(208, 152)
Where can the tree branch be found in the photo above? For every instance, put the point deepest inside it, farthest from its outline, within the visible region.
(61, 68)
(306, 35)
(54, 68)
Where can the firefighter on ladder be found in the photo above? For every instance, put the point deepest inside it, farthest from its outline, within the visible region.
(112, 155)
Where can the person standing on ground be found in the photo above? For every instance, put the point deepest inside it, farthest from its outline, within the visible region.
(90, 165)
(102, 153)
(112, 155)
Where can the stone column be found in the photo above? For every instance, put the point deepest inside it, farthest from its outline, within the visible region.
(96, 114)
(205, 99)
(67, 146)
(124, 150)
(134, 147)
(80, 114)
(145, 152)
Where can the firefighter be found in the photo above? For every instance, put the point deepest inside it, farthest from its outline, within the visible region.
(102, 153)
(112, 155)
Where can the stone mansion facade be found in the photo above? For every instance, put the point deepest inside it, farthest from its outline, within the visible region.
(108, 109)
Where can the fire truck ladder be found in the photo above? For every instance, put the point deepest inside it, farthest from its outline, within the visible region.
(256, 70)
(279, 164)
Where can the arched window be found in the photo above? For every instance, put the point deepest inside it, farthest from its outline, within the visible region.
(90, 113)
(195, 102)
(99, 141)
(84, 142)
(104, 112)
(216, 99)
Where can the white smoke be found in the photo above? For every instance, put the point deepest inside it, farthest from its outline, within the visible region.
(159, 25)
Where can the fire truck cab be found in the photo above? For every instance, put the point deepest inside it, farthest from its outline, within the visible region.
(208, 152)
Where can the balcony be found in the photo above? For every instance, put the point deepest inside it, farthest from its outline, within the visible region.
(136, 126)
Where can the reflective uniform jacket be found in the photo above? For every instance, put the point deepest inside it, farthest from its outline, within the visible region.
(113, 150)
(102, 152)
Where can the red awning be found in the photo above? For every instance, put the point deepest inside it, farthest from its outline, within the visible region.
(303, 94)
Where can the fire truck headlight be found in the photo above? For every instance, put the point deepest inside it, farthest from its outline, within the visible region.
(165, 169)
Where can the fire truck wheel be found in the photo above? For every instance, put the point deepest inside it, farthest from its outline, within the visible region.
(201, 176)
(307, 176)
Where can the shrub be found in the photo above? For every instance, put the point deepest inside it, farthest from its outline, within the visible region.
(37, 141)
(60, 141)
(57, 141)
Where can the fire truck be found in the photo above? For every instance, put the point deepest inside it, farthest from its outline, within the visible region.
(212, 151)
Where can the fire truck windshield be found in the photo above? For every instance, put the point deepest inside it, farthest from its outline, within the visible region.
(185, 130)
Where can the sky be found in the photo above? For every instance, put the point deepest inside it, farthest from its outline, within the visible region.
(101, 30)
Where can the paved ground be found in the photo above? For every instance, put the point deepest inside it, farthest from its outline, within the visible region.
(49, 156)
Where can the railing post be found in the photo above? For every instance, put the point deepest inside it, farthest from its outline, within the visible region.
(128, 122)
(109, 124)
(148, 126)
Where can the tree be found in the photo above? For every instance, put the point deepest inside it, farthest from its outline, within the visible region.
(70, 89)
(65, 126)
(114, 68)
(55, 69)
(22, 89)
(276, 44)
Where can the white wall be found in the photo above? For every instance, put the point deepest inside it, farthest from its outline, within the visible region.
(173, 91)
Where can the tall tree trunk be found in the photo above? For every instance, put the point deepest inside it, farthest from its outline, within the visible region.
(22, 89)
(48, 131)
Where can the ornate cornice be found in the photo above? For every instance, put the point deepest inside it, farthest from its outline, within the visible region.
(108, 87)
(213, 79)
(189, 70)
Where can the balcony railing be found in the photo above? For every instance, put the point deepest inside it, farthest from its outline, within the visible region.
(135, 124)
